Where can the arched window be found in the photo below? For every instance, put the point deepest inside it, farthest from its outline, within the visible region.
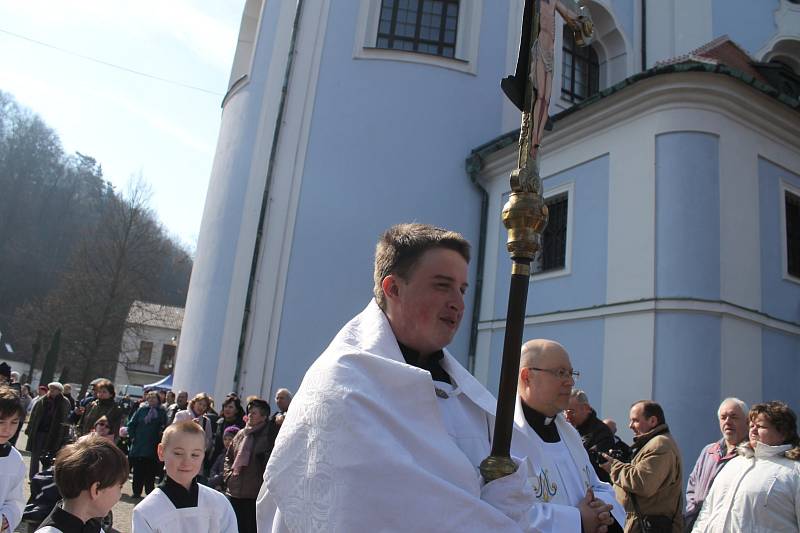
(426, 26)
(580, 72)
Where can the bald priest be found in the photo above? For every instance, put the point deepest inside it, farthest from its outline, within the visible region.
(570, 497)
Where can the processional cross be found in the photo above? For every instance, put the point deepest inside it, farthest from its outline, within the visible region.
(525, 214)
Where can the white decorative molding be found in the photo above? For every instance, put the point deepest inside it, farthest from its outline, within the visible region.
(628, 351)
(787, 21)
(467, 39)
(267, 306)
(648, 306)
(568, 189)
(694, 92)
(741, 360)
(244, 55)
(783, 188)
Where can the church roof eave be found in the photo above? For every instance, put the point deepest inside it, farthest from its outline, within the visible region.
(479, 153)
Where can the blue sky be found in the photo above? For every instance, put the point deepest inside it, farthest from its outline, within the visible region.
(130, 123)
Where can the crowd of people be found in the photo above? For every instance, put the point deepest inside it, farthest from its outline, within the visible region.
(387, 433)
(176, 450)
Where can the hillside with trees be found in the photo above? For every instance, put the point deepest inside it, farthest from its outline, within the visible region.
(74, 252)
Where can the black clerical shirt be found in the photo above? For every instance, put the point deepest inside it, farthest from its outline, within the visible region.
(69, 523)
(178, 495)
(432, 364)
(544, 426)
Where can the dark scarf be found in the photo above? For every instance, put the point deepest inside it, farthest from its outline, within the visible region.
(641, 440)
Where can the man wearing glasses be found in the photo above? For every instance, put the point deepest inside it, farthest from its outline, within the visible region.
(570, 496)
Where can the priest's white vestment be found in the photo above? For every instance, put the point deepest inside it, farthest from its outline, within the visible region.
(364, 447)
(559, 480)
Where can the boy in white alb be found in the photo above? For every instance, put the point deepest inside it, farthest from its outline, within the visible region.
(180, 504)
(89, 475)
(12, 469)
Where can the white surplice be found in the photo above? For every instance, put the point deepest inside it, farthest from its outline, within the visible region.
(157, 514)
(365, 447)
(560, 473)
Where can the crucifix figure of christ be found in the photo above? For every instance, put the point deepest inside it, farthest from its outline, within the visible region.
(530, 87)
(525, 215)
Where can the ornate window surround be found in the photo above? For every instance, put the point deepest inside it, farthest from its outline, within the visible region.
(466, 56)
(610, 44)
(787, 21)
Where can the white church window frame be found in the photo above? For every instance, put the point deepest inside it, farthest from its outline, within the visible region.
(245, 51)
(568, 190)
(785, 189)
(467, 39)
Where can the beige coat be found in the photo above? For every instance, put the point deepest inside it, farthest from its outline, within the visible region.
(654, 476)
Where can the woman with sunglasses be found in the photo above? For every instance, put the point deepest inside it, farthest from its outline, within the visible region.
(102, 428)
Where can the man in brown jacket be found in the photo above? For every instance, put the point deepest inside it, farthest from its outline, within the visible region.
(650, 486)
(245, 461)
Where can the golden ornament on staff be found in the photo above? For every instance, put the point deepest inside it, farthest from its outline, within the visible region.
(525, 215)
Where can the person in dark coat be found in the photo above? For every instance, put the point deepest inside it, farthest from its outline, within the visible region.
(597, 437)
(232, 415)
(245, 461)
(144, 431)
(104, 405)
(47, 427)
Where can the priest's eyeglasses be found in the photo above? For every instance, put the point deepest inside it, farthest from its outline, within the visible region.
(560, 373)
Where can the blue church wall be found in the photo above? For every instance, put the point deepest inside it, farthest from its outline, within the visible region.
(687, 379)
(750, 24)
(779, 297)
(585, 286)
(363, 174)
(584, 341)
(625, 16)
(687, 215)
(780, 354)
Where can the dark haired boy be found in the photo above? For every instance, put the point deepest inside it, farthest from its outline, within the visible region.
(89, 475)
(12, 469)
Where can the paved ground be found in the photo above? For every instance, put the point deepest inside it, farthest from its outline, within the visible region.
(122, 511)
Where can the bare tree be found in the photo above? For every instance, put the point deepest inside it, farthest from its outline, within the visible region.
(113, 265)
(74, 253)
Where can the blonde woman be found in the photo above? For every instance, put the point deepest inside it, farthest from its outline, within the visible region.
(196, 410)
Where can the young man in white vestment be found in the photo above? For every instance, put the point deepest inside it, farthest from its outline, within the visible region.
(387, 429)
(570, 497)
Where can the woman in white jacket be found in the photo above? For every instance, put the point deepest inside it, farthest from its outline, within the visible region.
(759, 491)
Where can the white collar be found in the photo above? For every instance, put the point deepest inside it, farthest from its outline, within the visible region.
(765, 450)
